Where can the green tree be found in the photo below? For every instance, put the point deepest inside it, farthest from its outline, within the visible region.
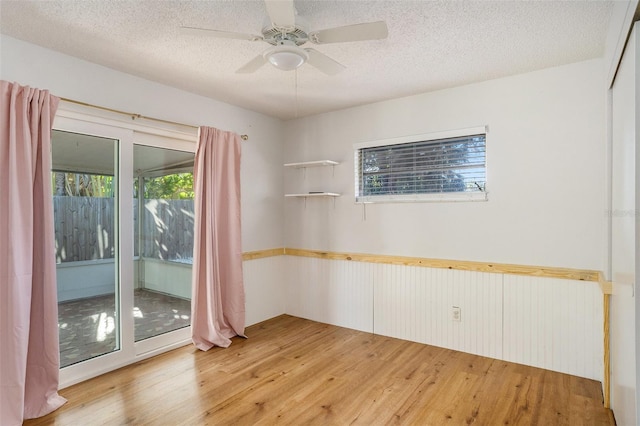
(81, 184)
(178, 186)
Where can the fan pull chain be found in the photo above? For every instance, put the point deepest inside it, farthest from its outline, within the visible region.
(296, 91)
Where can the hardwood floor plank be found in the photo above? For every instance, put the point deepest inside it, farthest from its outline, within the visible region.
(553, 398)
(295, 371)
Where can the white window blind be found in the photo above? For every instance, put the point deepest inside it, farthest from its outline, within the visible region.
(452, 168)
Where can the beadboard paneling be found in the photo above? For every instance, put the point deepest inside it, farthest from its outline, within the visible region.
(264, 288)
(333, 292)
(415, 303)
(554, 324)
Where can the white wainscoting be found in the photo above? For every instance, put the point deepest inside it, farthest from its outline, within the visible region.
(264, 288)
(554, 324)
(329, 291)
(415, 303)
(544, 322)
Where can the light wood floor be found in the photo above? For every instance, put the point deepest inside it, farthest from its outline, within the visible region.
(295, 371)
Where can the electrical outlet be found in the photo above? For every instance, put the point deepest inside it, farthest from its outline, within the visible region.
(456, 314)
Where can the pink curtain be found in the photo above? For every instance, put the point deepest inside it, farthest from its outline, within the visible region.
(29, 353)
(217, 304)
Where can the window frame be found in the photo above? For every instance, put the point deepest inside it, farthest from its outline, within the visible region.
(426, 197)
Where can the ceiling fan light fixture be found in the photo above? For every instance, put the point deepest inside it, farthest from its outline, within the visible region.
(286, 58)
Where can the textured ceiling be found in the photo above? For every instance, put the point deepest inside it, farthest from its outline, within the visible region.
(431, 45)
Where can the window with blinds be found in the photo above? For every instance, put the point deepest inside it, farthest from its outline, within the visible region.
(450, 168)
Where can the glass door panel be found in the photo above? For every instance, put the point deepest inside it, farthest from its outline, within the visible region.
(83, 186)
(163, 246)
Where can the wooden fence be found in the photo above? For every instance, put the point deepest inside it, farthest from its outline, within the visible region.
(84, 228)
(167, 229)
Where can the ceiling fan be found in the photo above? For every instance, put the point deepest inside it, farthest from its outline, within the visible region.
(286, 32)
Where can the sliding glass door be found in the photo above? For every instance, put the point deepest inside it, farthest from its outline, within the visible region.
(123, 216)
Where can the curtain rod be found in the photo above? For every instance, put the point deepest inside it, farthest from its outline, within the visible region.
(138, 116)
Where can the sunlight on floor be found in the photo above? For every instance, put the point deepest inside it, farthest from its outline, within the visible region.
(106, 326)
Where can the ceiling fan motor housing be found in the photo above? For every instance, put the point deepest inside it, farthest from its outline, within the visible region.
(297, 34)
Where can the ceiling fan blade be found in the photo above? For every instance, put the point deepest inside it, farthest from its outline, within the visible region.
(281, 13)
(253, 65)
(323, 62)
(219, 34)
(357, 32)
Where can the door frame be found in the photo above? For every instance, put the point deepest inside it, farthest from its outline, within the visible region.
(128, 132)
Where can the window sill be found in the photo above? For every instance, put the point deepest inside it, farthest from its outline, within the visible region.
(424, 198)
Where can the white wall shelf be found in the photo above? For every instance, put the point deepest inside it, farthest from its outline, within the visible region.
(313, 194)
(305, 164)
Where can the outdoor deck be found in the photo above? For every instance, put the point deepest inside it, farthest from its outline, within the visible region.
(87, 326)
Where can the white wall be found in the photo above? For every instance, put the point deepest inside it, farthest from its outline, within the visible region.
(79, 80)
(545, 168)
(172, 278)
(625, 234)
